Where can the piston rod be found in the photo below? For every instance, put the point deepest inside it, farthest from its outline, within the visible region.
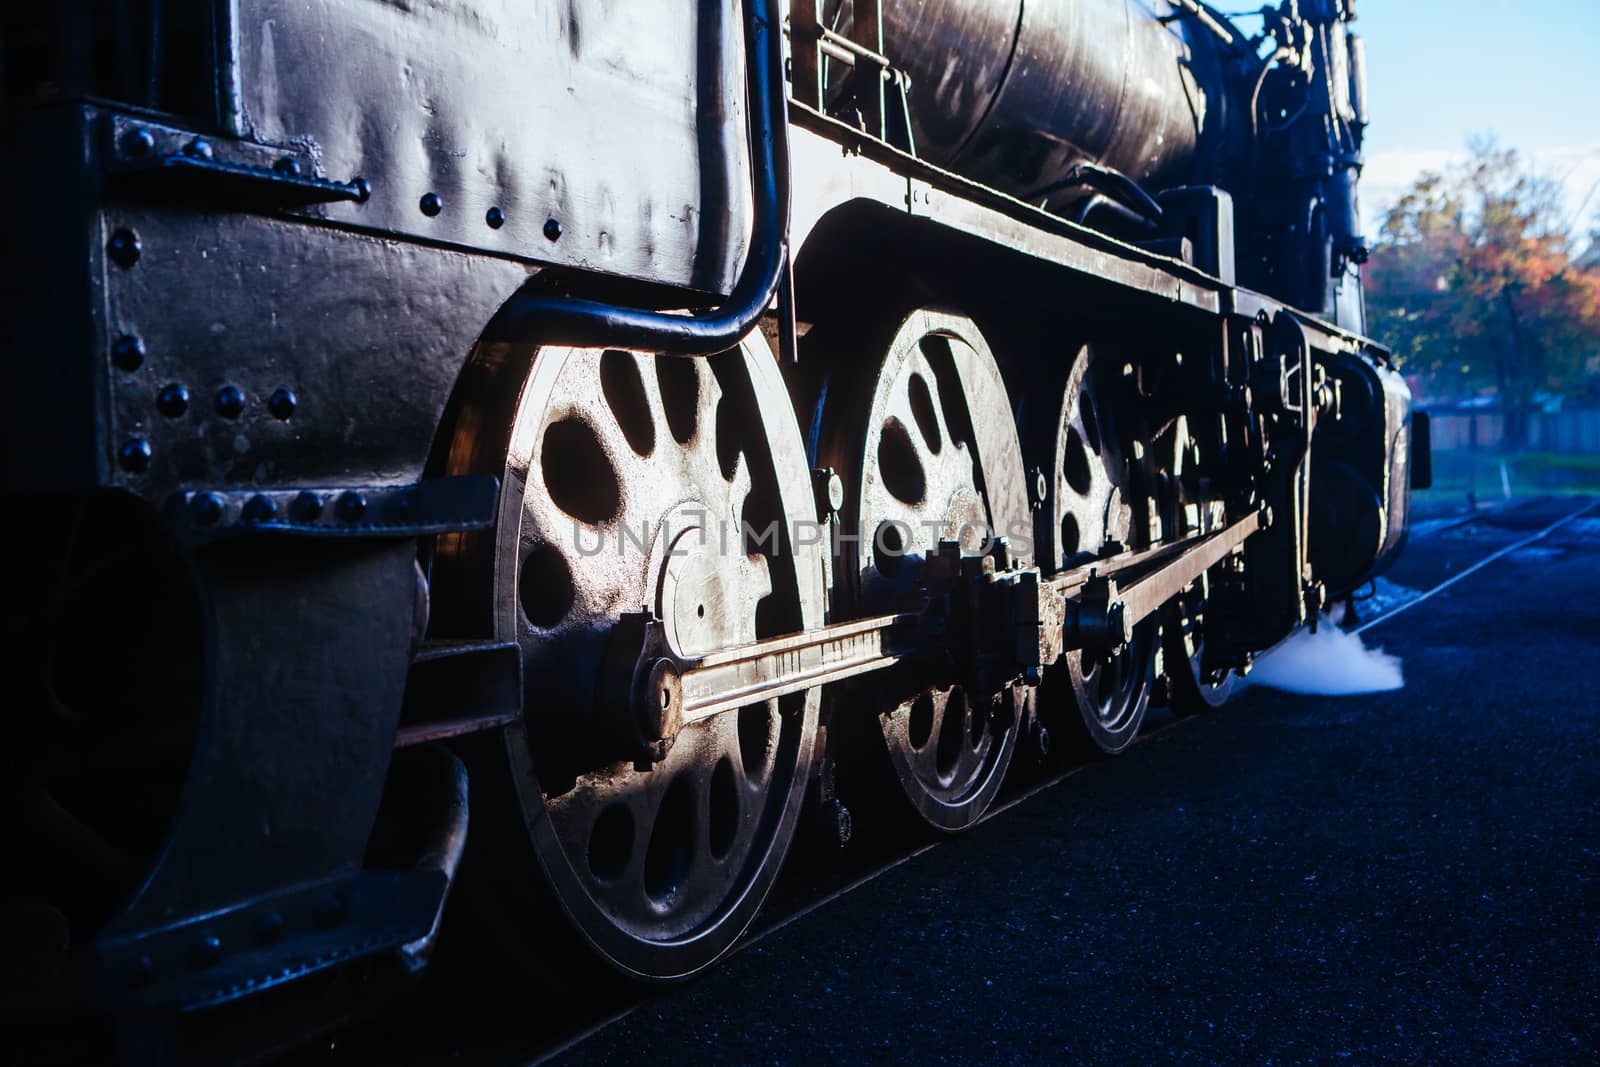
(671, 690)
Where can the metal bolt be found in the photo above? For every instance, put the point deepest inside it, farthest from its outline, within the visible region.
(352, 505)
(282, 403)
(124, 248)
(363, 190)
(260, 508)
(198, 149)
(208, 953)
(288, 166)
(134, 455)
(173, 400)
(495, 218)
(1116, 624)
(230, 402)
(139, 143)
(828, 488)
(552, 229)
(307, 507)
(431, 204)
(206, 508)
(127, 352)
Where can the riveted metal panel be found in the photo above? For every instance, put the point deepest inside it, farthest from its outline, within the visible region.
(622, 122)
(364, 337)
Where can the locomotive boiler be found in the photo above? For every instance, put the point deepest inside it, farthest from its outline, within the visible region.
(565, 449)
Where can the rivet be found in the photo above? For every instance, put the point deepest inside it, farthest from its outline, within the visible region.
(173, 400)
(208, 953)
(139, 143)
(198, 149)
(363, 190)
(281, 403)
(134, 455)
(431, 204)
(127, 352)
(206, 508)
(352, 505)
(288, 166)
(552, 229)
(230, 402)
(495, 218)
(124, 248)
(260, 509)
(307, 507)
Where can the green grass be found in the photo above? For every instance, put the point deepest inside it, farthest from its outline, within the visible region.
(1457, 473)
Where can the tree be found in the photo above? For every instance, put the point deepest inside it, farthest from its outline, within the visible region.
(1476, 282)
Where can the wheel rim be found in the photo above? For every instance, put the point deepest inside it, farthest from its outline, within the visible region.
(935, 457)
(630, 482)
(1183, 621)
(1090, 484)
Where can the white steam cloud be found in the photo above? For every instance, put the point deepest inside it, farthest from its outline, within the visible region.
(1330, 662)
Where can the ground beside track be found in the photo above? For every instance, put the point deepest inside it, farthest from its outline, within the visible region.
(1404, 877)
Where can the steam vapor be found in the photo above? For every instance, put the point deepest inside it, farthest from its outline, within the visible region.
(1330, 662)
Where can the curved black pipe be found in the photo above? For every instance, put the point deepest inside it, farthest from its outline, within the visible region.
(592, 324)
(1113, 183)
(1102, 202)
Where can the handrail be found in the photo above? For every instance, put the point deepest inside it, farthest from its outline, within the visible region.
(546, 319)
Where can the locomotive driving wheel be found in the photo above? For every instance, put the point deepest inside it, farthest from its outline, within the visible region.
(1195, 687)
(1092, 498)
(674, 486)
(933, 456)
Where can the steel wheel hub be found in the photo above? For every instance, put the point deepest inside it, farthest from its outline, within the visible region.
(670, 486)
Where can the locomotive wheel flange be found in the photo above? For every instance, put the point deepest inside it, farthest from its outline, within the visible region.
(634, 482)
(923, 428)
(1082, 439)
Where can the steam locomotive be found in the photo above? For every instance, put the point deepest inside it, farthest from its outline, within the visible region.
(570, 446)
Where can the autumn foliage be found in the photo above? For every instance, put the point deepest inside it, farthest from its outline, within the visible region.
(1477, 282)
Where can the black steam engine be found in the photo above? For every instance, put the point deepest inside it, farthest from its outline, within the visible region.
(644, 427)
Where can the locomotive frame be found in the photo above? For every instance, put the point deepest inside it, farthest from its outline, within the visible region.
(279, 372)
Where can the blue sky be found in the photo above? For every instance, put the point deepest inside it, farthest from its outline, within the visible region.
(1441, 70)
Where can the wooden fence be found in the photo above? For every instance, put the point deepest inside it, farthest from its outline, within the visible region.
(1574, 430)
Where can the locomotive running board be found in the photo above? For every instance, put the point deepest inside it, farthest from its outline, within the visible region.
(1083, 607)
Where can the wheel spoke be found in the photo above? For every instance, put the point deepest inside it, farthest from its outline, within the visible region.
(619, 459)
(938, 458)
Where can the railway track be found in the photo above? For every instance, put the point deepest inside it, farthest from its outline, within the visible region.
(490, 1019)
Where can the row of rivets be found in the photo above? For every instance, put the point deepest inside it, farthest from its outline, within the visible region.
(207, 508)
(173, 401)
(267, 929)
(431, 204)
(140, 143)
